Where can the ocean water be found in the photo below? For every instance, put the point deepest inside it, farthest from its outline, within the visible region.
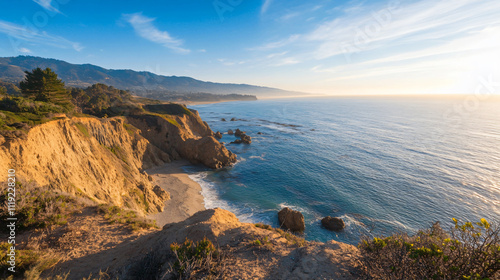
(383, 164)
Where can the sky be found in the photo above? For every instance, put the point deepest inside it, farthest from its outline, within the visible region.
(317, 46)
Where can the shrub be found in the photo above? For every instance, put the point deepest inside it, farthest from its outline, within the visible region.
(30, 262)
(200, 259)
(469, 251)
(39, 207)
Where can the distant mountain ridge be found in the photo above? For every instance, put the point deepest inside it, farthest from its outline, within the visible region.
(142, 83)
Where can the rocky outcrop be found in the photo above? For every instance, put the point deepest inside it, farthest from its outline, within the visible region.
(207, 151)
(230, 132)
(218, 135)
(184, 136)
(291, 219)
(333, 223)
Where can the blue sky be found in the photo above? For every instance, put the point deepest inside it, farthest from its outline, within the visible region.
(332, 47)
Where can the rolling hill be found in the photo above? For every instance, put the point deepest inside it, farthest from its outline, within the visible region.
(141, 83)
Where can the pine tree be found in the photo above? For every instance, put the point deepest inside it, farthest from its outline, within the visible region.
(44, 85)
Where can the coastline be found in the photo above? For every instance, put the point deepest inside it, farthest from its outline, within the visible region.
(185, 194)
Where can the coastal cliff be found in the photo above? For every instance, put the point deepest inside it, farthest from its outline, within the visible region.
(104, 159)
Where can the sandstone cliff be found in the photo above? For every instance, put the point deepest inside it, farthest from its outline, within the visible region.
(103, 159)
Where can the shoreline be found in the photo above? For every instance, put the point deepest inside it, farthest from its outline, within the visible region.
(185, 194)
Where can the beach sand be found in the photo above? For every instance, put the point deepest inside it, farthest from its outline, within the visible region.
(185, 194)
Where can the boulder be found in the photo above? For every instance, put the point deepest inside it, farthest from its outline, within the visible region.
(333, 223)
(259, 133)
(150, 178)
(223, 119)
(291, 219)
(233, 119)
(218, 135)
(237, 141)
(230, 132)
(161, 193)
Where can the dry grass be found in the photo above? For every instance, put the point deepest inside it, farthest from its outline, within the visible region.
(115, 214)
(290, 237)
(39, 207)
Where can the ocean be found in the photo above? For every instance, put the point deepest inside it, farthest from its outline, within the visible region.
(383, 164)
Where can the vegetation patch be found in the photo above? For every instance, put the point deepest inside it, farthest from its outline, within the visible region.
(168, 109)
(29, 262)
(82, 129)
(115, 214)
(468, 251)
(39, 207)
(197, 260)
(131, 130)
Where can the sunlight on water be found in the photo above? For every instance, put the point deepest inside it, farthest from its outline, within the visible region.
(382, 164)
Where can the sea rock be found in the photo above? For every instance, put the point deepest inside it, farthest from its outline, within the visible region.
(333, 223)
(291, 219)
(237, 141)
(223, 119)
(246, 139)
(233, 119)
(238, 132)
(230, 132)
(218, 135)
(259, 133)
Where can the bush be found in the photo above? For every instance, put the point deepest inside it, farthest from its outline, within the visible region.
(38, 207)
(197, 260)
(29, 261)
(469, 251)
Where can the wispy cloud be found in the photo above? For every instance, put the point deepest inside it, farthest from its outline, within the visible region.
(24, 50)
(265, 6)
(145, 28)
(25, 34)
(285, 61)
(47, 4)
(427, 21)
(277, 44)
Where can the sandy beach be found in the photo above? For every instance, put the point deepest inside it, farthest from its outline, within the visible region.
(185, 194)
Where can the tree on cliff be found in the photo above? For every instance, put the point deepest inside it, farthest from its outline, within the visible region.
(44, 85)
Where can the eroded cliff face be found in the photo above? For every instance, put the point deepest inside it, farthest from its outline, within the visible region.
(95, 158)
(103, 159)
(184, 136)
